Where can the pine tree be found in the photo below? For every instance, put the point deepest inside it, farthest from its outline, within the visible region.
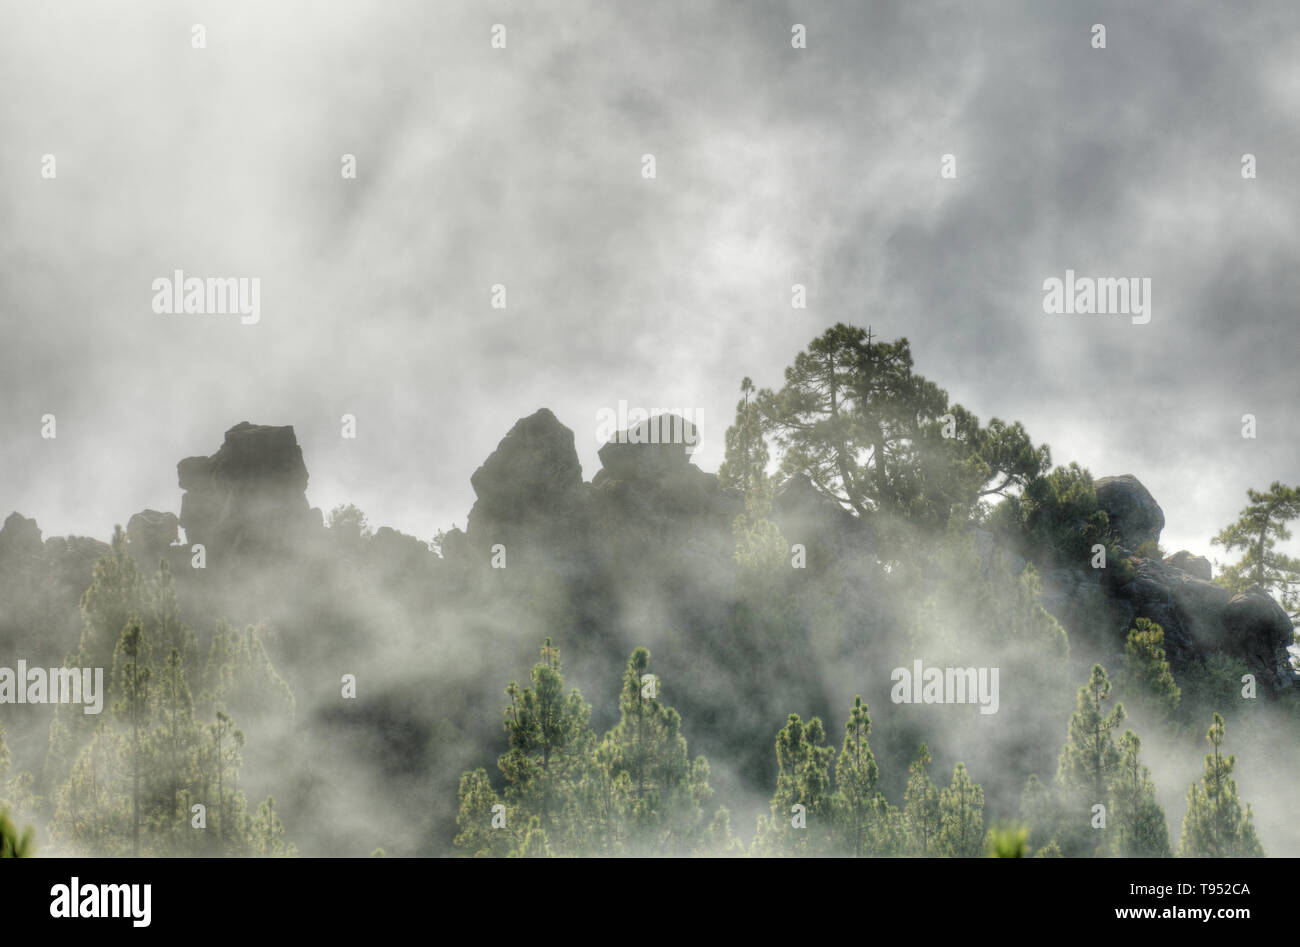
(1262, 524)
(870, 824)
(1039, 811)
(1138, 819)
(875, 436)
(659, 794)
(239, 673)
(1089, 760)
(1214, 825)
(163, 628)
(476, 805)
(131, 679)
(114, 596)
(745, 466)
(921, 805)
(218, 762)
(1147, 671)
(176, 741)
(547, 736)
(267, 832)
(803, 779)
(961, 817)
(92, 815)
(634, 792)
(856, 773)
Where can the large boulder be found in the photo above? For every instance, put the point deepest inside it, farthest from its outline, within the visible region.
(149, 533)
(1258, 629)
(534, 465)
(1135, 517)
(530, 497)
(250, 495)
(1199, 617)
(657, 447)
(1198, 566)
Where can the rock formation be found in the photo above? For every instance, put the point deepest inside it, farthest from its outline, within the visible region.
(1135, 517)
(149, 534)
(250, 496)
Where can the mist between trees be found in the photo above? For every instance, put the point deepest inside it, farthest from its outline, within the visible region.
(281, 681)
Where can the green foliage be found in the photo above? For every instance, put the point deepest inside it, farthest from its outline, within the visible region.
(877, 437)
(656, 795)
(131, 677)
(348, 526)
(1007, 842)
(636, 791)
(1039, 812)
(1214, 825)
(1262, 524)
(14, 844)
(114, 595)
(547, 734)
(239, 673)
(267, 833)
(745, 466)
(1088, 762)
(218, 760)
(803, 779)
(1137, 820)
(1212, 684)
(921, 810)
(867, 823)
(762, 555)
(477, 802)
(1056, 519)
(856, 773)
(961, 817)
(1090, 756)
(1149, 550)
(1146, 671)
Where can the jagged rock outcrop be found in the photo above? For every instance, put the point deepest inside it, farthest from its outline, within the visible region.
(1198, 566)
(529, 494)
(657, 447)
(534, 467)
(250, 496)
(1135, 517)
(648, 490)
(20, 541)
(1199, 616)
(149, 533)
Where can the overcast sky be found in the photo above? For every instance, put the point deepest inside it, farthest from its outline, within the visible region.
(522, 166)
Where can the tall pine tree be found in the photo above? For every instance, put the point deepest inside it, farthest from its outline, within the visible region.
(1214, 825)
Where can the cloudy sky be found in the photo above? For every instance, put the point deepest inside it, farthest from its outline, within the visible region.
(522, 166)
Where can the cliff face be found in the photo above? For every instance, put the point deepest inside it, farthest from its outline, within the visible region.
(1198, 616)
